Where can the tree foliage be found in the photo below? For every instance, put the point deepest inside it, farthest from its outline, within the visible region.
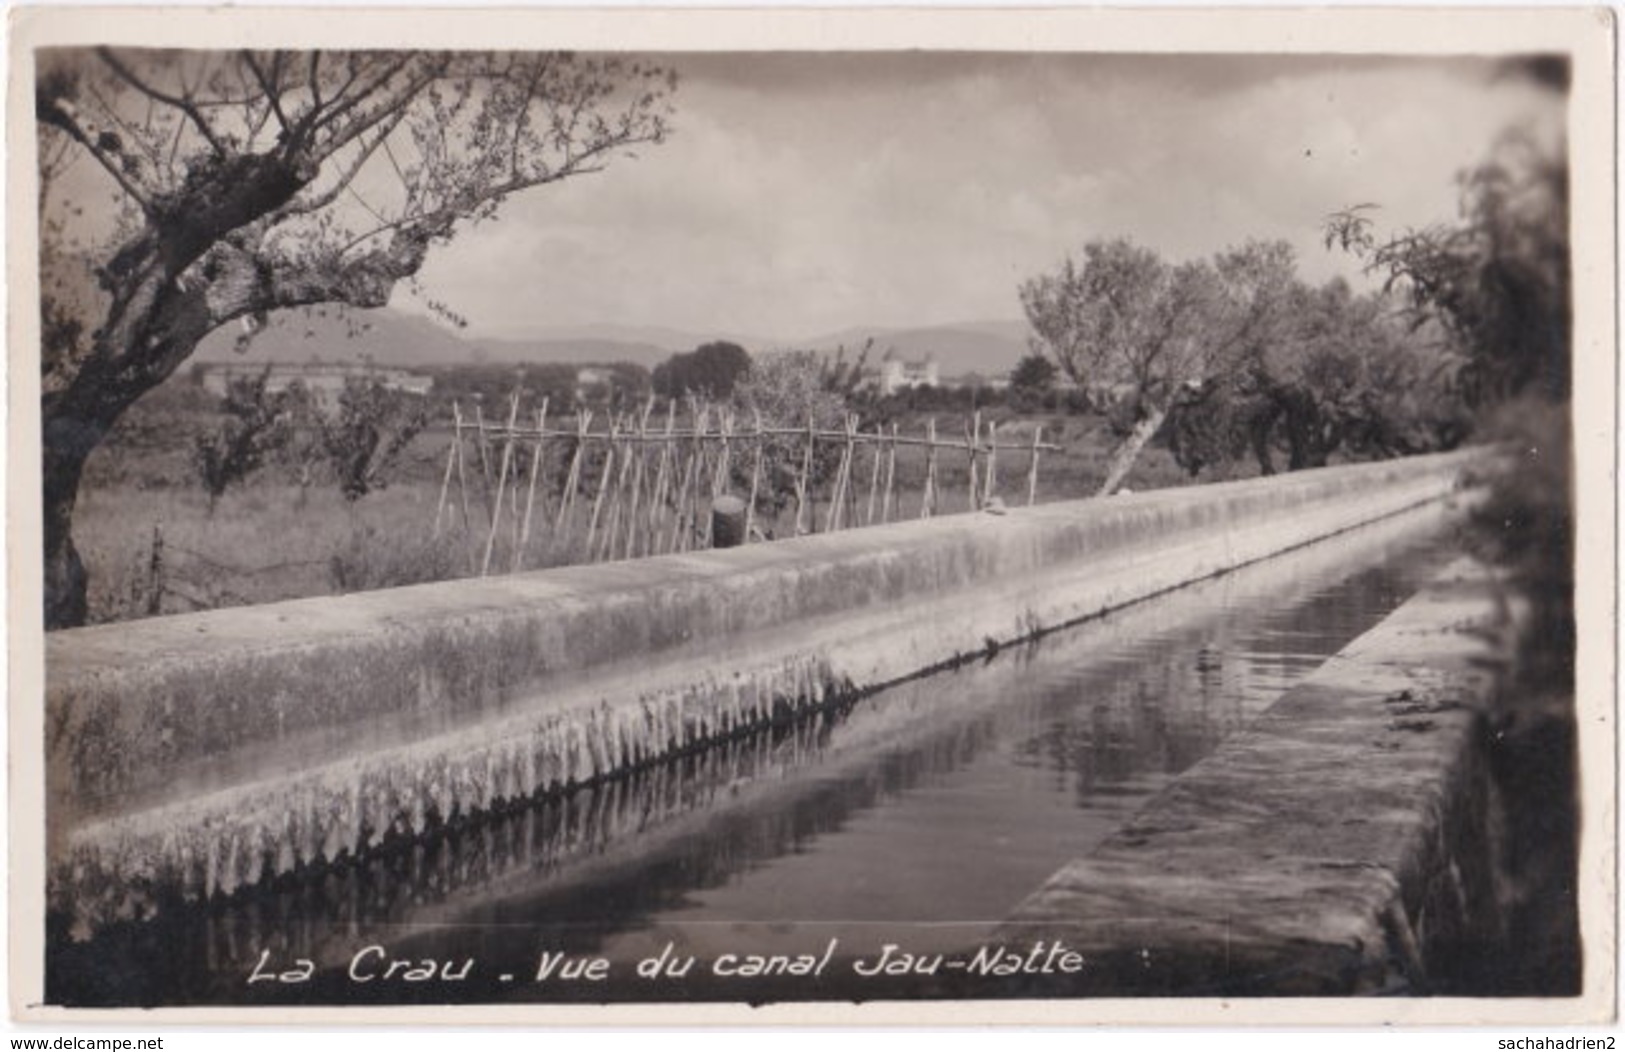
(1337, 373)
(1034, 374)
(1498, 280)
(791, 389)
(184, 191)
(1150, 335)
(710, 371)
(256, 424)
(367, 432)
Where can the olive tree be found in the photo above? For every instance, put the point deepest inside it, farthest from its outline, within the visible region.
(1153, 334)
(183, 191)
(1499, 279)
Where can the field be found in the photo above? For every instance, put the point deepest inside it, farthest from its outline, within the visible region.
(151, 545)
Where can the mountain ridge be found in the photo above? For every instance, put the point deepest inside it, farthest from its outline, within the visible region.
(390, 337)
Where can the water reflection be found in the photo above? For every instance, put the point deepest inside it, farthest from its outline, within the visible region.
(921, 813)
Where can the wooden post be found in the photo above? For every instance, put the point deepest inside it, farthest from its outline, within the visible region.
(725, 430)
(572, 478)
(485, 459)
(929, 500)
(451, 459)
(693, 508)
(530, 495)
(891, 477)
(680, 536)
(843, 475)
(852, 516)
(637, 481)
(874, 478)
(624, 483)
(1032, 467)
(603, 488)
(502, 479)
(973, 435)
(990, 488)
(805, 480)
(513, 491)
(155, 572)
(657, 499)
(462, 478)
(755, 479)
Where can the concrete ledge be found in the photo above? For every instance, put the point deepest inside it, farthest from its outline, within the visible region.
(193, 755)
(1344, 844)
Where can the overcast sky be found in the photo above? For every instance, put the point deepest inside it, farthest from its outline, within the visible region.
(802, 194)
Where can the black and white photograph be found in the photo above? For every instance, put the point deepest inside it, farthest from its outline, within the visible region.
(520, 512)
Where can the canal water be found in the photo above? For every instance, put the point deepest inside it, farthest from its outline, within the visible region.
(782, 865)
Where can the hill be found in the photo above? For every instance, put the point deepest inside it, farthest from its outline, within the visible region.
(395, 338)
(987, 347)
(390, 337)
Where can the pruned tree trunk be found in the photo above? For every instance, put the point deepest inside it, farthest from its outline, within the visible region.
(155, 322)
(1124, 456)
(66, 448)
(248, 216)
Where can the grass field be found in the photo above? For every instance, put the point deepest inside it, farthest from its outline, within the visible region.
(268, 539)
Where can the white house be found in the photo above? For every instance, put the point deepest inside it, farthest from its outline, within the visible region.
(324, 381)
(896, 373)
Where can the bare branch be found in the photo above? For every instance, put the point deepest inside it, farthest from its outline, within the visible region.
(135, 135)
(185, 105)
(347, 176)
(272, 95)
(363, 123)
(54, 113)
(313, 77)
(339, 109)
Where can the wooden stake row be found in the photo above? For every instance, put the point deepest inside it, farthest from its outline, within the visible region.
(632, 490)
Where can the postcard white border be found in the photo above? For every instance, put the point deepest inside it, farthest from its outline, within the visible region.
(1586, 35)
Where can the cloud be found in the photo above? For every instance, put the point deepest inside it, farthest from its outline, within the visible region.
(806, 193)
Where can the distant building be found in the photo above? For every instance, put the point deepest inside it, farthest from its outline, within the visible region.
(593, 382)
(896, 373)
(323, 381)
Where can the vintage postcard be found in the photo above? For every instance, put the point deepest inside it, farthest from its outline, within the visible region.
(788, 516)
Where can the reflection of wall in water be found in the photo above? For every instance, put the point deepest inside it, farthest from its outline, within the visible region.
(548, 862)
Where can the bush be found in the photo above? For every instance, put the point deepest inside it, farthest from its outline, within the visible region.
(1526, 526)
(371, 558)
(788, 390)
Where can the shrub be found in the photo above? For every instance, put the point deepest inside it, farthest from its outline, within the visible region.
(370, 558)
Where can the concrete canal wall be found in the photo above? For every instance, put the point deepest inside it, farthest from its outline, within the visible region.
(194, 755)
(1348, 842)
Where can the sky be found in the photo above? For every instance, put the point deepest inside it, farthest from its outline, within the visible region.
(801, 194)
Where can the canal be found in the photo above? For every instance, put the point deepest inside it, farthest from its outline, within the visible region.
(782, 865)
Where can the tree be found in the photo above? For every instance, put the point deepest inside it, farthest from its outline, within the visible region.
(710, 370)
(1034, 374)
(1499, 280)
(257, 423)
(1152, 333)
(790, 389)
(1331, 372)
(246, 182)
(372, 426)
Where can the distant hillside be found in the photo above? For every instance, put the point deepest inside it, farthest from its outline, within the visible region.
(394, 338)
(391, 337)
(671, 340)
(987, 347)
